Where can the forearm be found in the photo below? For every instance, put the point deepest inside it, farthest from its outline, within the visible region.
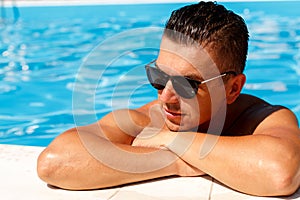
(89, 162)
(258, 165)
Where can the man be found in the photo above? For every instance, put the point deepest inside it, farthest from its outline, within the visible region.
(200, 123)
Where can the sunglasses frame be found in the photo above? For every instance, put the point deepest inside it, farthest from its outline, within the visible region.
(187, 95)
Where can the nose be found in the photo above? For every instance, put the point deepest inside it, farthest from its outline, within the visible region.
(168, 94)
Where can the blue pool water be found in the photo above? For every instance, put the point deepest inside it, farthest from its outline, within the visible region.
(43, 48)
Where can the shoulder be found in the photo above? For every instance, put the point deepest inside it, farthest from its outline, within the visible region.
(283, 120)
(271, 117)
(248, 112)
(139, 116)
(146, 108)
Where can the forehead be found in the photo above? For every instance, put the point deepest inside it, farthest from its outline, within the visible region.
(185, 60)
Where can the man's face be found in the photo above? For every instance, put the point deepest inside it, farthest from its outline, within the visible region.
(183, 114)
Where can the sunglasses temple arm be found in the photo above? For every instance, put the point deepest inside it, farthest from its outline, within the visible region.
(205, 81)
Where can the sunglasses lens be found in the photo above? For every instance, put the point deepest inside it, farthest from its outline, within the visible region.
(185, 88)
(157, 79)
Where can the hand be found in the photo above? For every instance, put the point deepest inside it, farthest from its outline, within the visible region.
(157, 136)
(154, 137)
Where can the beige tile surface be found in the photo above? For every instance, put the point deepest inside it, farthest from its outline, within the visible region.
(222, 192)
(18, 180)
(176, 188)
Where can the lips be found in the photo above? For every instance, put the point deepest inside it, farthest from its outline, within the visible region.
(171, 115)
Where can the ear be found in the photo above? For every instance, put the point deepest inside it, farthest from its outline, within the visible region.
(233, 87)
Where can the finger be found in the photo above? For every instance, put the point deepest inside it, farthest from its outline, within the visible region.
(148, 133)
(156, 116)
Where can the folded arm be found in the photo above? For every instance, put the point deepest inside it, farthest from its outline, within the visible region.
(265, 164)
(100, 155)
(70, 164)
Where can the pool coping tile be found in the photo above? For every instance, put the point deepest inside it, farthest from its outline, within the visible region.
(222, 192)
(19, 180)
(176, 188)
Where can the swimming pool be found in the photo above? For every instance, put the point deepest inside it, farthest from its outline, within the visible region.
(43, 50)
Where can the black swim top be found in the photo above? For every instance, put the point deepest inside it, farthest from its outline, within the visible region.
(247, 121)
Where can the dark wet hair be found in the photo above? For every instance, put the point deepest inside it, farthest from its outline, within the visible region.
(221, 32)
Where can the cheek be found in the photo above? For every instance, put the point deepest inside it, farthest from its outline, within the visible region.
(203, 109)
(192, 109)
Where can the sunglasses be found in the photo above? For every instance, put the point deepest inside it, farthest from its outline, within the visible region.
(184, 87)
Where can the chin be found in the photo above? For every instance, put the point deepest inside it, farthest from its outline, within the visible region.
(172, 126)
(179, 127)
